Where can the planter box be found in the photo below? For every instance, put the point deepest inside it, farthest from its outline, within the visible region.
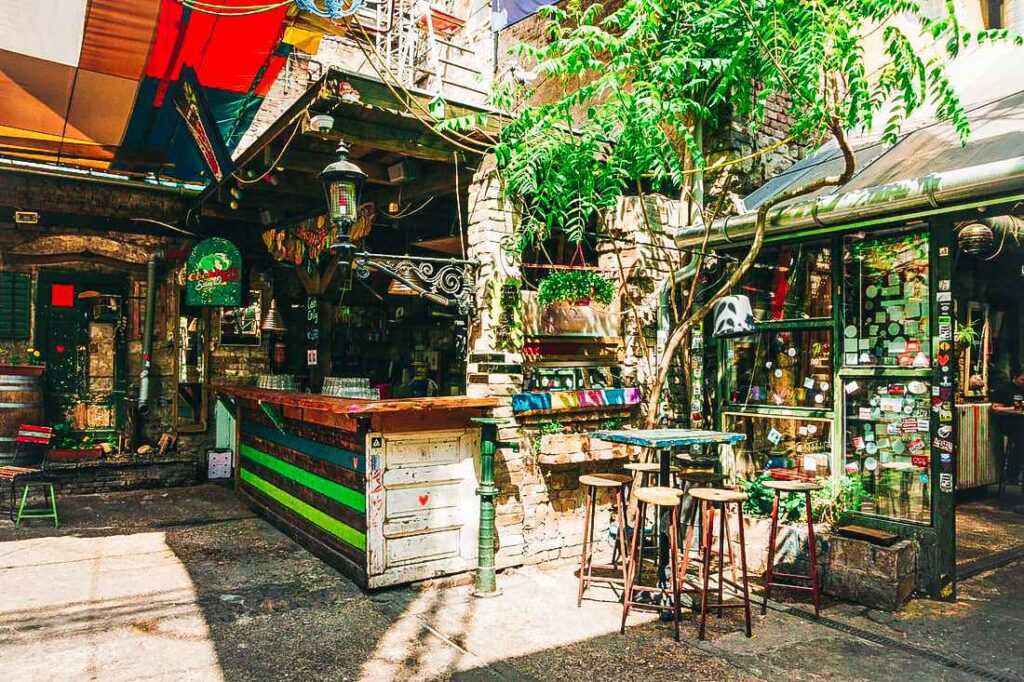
(74, 455)
(569, 448)
(23, 370)
(568, 319)
(870, 574)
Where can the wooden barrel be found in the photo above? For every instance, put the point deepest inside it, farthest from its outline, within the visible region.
(21, 402)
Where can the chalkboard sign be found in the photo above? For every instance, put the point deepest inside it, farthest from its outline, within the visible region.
(213, 274)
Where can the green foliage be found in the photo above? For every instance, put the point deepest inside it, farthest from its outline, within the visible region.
(575, 285)
(967, 335)
(613, 424)
(835, 497)
(636, 80)
(551, 427)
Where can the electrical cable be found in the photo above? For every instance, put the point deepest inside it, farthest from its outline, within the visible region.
(458, 204)
(407, 213)
(224, 10)
(270, 168)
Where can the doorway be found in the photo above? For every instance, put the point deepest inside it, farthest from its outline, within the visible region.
(987, 279)
(80, 332)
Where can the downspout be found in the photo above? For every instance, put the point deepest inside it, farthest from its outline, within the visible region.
(147, 332)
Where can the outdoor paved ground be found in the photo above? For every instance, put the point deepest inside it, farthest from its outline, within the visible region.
(188, 584)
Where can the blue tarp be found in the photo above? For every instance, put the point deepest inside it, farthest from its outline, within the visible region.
(508, 12)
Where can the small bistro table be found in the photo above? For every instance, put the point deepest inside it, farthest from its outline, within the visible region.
(664, 442)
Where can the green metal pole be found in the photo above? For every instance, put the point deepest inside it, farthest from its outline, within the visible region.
(486, 579)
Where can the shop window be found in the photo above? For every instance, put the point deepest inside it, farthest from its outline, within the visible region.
(790, 282)
(15, 306)
(888, 445)
(790, 368)
(886, 302)
(192, 358)
(786, 447)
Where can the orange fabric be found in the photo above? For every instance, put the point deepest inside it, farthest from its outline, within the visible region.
(35, 93)
(118, 34)
(101, 105)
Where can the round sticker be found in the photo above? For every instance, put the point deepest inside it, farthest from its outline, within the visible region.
(908, 408)
(917, 387)
(778, 374)
(812, 429)
(819, 398)
(850, 331)
(899, 447)
(870, 463)
(869, 305)
(824, 386)
(893, 329)
(871, 447)
(791, 352)
(924, 479)
(871, 291)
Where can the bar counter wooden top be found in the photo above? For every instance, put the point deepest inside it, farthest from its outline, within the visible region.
(332, 411)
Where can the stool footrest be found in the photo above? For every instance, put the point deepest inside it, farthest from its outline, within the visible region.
(797, 576)
(798, 588)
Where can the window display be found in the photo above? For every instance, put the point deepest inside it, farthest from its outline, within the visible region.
(789, 448)
(888, 443)
(781, 368)
(792, 281)
(886, 303)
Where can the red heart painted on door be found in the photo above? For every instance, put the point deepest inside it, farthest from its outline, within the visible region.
(59, 348)
(424, 499)
(943, 360)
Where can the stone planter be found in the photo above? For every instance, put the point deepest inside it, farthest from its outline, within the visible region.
(570, 448)
(872, 575)
(791, 553)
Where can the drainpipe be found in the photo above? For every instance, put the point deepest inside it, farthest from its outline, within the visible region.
(147, 332)
(929, 192)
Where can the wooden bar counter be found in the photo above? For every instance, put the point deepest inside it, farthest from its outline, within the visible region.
(384, 490)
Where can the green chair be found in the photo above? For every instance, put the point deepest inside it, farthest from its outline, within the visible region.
(29, 469)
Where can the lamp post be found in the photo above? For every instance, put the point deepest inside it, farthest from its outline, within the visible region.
(343, 185)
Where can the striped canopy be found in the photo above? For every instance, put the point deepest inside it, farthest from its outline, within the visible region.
(86, 82)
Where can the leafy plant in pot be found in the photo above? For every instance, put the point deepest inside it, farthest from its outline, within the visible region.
(567, 297)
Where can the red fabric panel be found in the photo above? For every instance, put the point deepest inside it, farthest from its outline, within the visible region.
(226, 52)
(274, 66)
(118, 34)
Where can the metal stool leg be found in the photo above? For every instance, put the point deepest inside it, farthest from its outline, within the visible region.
(584, 563)
(721, 559)
(743, 568)
(21, 507)
(709, 520)
(770, 568)
(812, 550)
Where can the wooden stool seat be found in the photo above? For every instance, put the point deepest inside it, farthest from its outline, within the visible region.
(717, 495)
(605, 480)
(7, 472)
(649, 467)
(660, 496)
(792, 486)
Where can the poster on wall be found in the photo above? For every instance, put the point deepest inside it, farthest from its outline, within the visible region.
(213, 274)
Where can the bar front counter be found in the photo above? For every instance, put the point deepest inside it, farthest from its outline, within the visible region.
(383, 490)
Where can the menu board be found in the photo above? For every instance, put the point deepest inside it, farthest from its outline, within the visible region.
(888, 440)
(886, 297)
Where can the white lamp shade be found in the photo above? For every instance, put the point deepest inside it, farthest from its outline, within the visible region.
(733, 317)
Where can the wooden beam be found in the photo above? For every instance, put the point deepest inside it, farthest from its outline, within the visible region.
(419, 144)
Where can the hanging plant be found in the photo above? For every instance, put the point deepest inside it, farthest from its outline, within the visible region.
(579, 287)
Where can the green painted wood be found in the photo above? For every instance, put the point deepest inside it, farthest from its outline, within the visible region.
(346, 458)
(321, 520)
(332, 472)
(347, 496)
(332, 508)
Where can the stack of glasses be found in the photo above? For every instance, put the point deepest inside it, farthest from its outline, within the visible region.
(350, 387)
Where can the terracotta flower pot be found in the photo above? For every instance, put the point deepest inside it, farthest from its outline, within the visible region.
(74, 454)
(23, 370)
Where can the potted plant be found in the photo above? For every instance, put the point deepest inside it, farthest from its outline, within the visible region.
(14, 363)
(567, 298)
(70, 446)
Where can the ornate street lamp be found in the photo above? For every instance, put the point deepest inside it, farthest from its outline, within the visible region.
(445, 281)
(343, 185)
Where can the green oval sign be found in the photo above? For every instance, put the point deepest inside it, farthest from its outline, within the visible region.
(213, 274)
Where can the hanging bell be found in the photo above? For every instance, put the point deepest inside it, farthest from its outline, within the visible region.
(733, 317)
(273, 323)
(977, 239)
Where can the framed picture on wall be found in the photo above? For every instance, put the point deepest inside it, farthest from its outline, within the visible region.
(241, 326)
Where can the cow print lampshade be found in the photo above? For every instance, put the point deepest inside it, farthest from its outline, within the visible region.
(733, 317)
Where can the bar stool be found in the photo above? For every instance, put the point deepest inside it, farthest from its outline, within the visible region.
(712, 499)
(691, 522)
(662, 498)
(649, 471)
(805, 487)
(594, 482)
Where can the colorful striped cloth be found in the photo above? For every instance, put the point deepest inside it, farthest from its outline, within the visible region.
(575, 400)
